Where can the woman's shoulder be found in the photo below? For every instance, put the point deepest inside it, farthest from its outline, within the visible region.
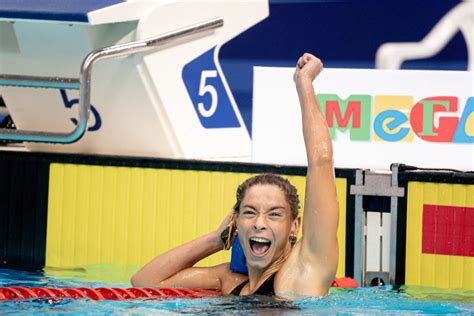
(229, 279)
(298, 277)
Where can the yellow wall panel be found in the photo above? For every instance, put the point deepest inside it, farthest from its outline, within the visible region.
(127, 216)
(341, 231)
(443, 271)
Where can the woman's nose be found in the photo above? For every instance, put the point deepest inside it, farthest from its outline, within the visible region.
(259, 223)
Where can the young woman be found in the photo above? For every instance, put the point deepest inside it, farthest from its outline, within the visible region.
(266, 213)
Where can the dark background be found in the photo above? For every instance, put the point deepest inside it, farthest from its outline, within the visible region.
(344, 34)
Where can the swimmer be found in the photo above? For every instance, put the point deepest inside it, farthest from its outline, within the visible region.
(266, 215)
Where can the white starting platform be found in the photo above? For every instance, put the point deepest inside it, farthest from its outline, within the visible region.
(165, 98)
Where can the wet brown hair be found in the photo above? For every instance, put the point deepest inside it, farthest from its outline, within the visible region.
(290, 191)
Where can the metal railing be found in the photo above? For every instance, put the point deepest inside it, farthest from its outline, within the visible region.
(84, 82)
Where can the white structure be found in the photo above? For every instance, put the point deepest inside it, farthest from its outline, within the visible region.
(460, 18)
(172, 101)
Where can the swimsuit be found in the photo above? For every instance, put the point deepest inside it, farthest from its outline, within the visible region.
(265, 289)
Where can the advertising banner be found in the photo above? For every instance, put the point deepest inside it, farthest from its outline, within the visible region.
(375, 117)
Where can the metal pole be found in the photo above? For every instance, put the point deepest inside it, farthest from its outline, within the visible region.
(359, 223)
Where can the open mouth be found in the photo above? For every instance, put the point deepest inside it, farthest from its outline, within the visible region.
(259, 246)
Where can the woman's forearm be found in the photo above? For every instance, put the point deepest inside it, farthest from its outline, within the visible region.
(173, 261)
(315, 131)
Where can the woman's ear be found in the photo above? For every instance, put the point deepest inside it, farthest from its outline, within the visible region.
(295, 226)
(236, 217)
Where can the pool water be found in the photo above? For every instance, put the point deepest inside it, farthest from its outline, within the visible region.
(361, 301)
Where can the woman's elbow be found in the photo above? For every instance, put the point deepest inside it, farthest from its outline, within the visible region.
(321, 154)
(135, 280)
(138, 280)
(324, 158)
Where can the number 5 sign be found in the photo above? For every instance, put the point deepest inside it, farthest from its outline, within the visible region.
(208, 94)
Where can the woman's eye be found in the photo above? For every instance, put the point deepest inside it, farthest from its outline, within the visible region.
(275, 214)
(247, 212)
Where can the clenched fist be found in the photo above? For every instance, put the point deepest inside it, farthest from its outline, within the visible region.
(307, 68)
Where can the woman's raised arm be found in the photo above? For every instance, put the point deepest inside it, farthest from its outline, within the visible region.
(319, 246)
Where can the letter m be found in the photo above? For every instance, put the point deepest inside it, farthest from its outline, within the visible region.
(351, 114)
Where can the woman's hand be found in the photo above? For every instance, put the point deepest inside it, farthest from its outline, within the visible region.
(225, 223)
(308, 68)
(222, 234)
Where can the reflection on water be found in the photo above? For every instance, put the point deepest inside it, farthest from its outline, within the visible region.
(424, 293)
(363, 301)
(107, 273)
(255, 304)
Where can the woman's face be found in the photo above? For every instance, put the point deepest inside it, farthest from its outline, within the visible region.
(264, 224)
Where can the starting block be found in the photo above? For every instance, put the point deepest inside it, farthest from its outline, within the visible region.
(167, 98)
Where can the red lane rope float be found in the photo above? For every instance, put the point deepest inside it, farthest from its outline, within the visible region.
(104, 293)
(345, 282)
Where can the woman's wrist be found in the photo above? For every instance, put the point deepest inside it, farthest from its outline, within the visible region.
(215, 241)
(303, 82)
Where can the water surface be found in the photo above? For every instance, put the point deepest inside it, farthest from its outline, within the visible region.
(384, 300)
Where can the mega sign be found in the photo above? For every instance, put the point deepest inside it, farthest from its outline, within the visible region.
(375, 117)
(398, 118)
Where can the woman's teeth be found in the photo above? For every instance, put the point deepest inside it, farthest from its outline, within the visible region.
(258, 239)
(259, 245)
